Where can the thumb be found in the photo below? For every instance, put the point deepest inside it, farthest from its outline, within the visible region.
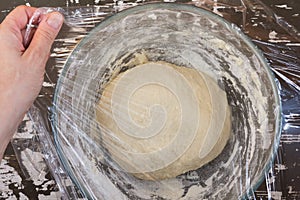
(39, 48)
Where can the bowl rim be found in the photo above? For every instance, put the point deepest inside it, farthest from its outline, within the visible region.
(180, 7)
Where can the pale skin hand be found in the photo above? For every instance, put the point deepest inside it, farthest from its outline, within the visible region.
(22, 70)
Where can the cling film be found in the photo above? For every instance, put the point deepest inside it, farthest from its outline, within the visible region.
(94, 157)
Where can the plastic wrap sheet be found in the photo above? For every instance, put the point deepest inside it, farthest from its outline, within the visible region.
(279, 41)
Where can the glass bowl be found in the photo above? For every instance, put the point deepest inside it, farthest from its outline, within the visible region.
(183, 35)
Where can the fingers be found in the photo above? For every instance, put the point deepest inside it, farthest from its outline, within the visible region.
(19, 17)
(39, 48)
(13, 25)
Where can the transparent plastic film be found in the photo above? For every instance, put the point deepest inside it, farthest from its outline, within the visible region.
(167, 101)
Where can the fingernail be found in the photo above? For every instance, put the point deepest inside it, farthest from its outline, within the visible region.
(55, 20)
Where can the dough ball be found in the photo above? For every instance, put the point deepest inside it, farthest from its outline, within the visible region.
(159, 120)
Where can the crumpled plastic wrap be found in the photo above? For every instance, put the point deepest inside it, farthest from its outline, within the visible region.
(279, 42)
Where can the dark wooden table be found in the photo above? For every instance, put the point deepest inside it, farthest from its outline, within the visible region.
(25, 175)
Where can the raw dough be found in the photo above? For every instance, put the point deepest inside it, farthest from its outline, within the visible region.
(159, 120)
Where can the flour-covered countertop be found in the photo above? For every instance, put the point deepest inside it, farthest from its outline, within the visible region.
(24, 173)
